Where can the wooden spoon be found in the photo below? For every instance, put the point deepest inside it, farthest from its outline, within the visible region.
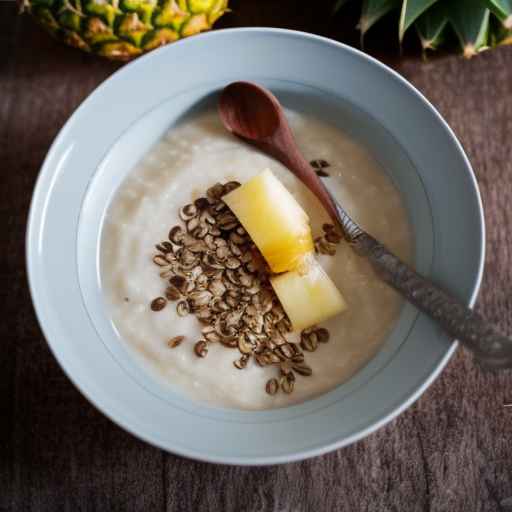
(254, 114)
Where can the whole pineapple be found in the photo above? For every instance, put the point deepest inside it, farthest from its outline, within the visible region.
(474, 25)
(123, 29)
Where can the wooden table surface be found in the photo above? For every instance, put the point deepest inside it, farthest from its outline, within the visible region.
(451, 451)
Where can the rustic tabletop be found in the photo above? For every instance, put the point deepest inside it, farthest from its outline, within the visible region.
(451, 451)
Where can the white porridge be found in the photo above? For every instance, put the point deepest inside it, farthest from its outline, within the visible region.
(180, 168)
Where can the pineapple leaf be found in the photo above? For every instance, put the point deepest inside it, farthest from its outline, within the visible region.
(411, 11)
(373, 10)
(470, 20)
(431, 26)
(498, 34)
(502, 9)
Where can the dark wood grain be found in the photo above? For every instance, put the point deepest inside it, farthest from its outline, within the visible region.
(451, 451)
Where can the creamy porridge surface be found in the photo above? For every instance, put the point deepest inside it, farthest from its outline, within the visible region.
(188, 160)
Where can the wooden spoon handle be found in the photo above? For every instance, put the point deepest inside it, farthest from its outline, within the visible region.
(283, 147)
(491, 348)
(302, 169)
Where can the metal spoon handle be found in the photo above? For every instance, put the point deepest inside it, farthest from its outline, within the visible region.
(491, 348)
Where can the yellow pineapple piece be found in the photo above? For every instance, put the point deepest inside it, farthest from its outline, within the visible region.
(308, 294)
(274, 220)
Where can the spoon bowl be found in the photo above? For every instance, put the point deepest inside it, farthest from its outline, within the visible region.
(249, 111)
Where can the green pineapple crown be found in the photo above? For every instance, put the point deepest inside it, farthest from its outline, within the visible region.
(476, 24)
(123, 29)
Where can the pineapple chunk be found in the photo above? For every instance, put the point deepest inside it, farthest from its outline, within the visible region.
(280, 229)
(308, 295)
(274, 220)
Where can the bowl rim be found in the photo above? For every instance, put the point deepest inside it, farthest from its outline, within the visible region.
(30, 256)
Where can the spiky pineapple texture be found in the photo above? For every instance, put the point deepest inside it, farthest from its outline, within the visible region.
(123, 29)
(475, 25)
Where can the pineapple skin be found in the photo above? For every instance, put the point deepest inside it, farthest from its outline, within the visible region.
(124, 29)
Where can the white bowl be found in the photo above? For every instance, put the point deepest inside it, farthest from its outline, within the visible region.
(126, 115)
